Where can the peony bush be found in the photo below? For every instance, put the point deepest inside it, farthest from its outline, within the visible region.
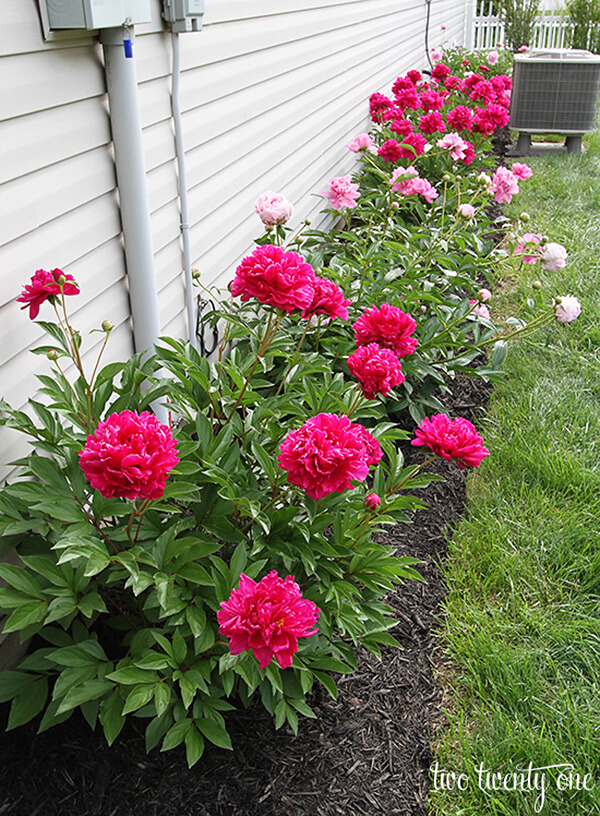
(173, 570)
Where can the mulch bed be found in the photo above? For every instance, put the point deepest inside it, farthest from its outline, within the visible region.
(367, 753)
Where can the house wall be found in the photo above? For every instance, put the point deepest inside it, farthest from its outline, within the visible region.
(271, 91)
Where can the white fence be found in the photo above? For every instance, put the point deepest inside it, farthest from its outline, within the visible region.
(549, 32)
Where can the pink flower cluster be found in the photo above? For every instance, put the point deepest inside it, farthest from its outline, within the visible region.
(284, 280)
(327, 453)
(389, 327)
(505, 184)
(44, 286)
(378, 370)
(268, 617)
(460, 149)
(273, 209)
(129, 456)
(451, 439)
(406, 181)
(341, 192)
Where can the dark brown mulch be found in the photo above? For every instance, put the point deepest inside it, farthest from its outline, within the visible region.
(368, 753)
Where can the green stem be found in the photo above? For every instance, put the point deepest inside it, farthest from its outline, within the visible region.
(293, 359)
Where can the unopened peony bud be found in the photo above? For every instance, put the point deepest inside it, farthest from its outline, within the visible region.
(525, 216)
(537, 284)
(372, 501)
(545, 239)
(394, 205)
(107, 326)
(61, 280)
(308, 222)
(196, 274)
(484, 295)
(446, 177)
(52, 354)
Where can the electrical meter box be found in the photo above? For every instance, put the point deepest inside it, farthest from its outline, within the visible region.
(183, 15)
(94, 14)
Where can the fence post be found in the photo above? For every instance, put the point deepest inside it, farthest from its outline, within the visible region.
(469, 33)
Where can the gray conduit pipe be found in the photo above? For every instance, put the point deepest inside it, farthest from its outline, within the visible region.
(124, 106)
(183, 193)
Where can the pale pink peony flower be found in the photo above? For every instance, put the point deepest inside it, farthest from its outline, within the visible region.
(484, 295)
(466, 210)
(453, 143)
(451, 439)
(521, 171)
(389, 327)
(275, 277)
(341, 192)
(360, 142)
(479, 309)
(372, 501)
(492, 57)
(400, 176)
(530, 241)
(327, 453)
(566, 309)
(553, 257)
(406, 181)
(45, 286)
(436, 54)
(328, 299)
(129, 456)
(273, 208)
(524, 48)
(378, 370)
(504, 185)
(267, 617)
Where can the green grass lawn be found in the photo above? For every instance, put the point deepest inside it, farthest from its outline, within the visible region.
(522, 622)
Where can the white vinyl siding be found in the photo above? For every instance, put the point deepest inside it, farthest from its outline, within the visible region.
(271, 92)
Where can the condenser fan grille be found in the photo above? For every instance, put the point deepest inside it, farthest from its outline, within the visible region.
(554, 93)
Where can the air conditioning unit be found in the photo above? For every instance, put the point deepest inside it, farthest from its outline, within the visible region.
(554, 91)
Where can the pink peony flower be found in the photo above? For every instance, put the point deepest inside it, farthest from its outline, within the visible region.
(389, 327)
(426, 189)
(484, 295)
(360, 142)
(479, 309)
(530, 241)
(436, 54)
(451, 439)
(566, 309)
(341, 192)
(327, 453)
(431, 101)
(273, 208)
(275, 277)
(521, 171)
(524, 48)
(129, 456)
(378, 370)
(267, 617)
(372, 501)
(328, 299)
(492, 57)
(553, 257)
(44, 285)
(401, 176)
(466, 210)
(504, 185)
(453, 143)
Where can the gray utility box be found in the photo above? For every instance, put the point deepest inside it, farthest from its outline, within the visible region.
(555, 91)
(94, 14)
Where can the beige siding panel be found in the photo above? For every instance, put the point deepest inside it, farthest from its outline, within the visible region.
(67, 131)
(22, 30)
(40, 197)
(35, 82)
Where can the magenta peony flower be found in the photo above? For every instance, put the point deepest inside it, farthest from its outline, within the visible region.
(341, 192)
(504, 185)
(328, 299)
(412, 146)
(466, 210)
(372, 501)
(273, 208)
(129, 456)
(360, 142)
(378, 105)
(327, 453)
(432, 123)
(390, 151)
(460, 118)
(267, 617)
(440, 72)
(566, 309)
(378, 370)
(389, 327)
(451, 439)
(275, 277)
(553, 257)
(45, 285)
